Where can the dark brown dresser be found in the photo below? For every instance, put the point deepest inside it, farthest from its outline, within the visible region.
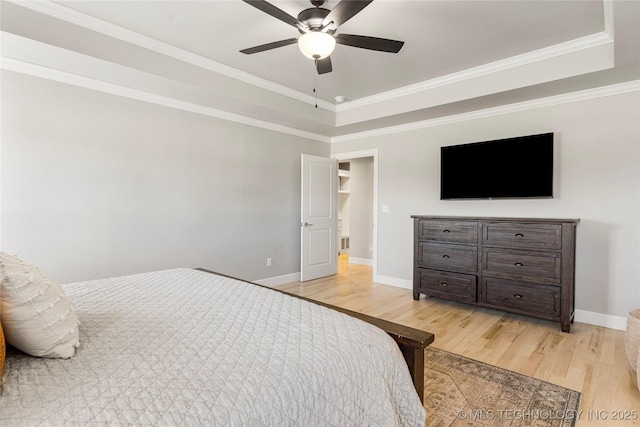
(520, 265)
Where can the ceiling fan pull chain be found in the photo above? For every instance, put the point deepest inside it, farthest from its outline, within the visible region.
(315, 88)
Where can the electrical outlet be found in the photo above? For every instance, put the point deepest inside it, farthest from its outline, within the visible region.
(269, 262)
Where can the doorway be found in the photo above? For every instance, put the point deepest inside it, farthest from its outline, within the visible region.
(357, 213)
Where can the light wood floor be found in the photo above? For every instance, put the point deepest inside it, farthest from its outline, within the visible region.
(590, 359)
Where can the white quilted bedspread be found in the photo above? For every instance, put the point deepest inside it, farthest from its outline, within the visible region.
(184, 347)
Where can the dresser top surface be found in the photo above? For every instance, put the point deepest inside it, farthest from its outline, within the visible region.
(497, 219)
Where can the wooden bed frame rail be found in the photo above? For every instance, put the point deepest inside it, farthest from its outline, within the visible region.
(411, 341)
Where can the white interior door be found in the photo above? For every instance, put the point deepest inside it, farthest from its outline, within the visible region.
(319, 217)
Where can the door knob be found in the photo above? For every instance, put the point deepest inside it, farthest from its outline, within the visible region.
(306, 224)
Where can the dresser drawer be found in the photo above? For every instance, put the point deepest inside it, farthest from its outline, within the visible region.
(448, 231)
(441, 256)
(543, 301)
(540, 267)
(459, 287)
(522, 235)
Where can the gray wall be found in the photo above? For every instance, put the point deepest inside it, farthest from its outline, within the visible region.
(95, 185)
(361, 203)
(597, 179)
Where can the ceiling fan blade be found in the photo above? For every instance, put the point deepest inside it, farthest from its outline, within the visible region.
(371, 43)
(268, 46)
(324, 65)
(270, 9)
(344, 11)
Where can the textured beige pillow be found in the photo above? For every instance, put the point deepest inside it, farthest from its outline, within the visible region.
(36, 315)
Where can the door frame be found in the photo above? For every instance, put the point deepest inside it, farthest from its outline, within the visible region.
(373, 152)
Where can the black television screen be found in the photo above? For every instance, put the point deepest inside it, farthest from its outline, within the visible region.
(519, 167)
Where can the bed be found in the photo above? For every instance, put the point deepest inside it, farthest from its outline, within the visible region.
(191, 347)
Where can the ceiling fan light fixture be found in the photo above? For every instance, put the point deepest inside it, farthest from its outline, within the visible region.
(316, 44)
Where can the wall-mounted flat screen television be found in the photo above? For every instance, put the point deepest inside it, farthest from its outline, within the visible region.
(520, 167)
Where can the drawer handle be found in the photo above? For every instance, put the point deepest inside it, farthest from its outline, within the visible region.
(517, 296)
(444, 285)
(447, 231)
(445, 256)
(519, 264)
(519, 235)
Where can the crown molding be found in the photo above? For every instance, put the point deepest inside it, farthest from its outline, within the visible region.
(617, 89)
(560, 49)
(78, 18)
(22, 67)
(69, 15)
(550, 52)
(34, 70)
(58, 11)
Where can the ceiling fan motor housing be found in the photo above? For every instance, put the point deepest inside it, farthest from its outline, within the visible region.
(313, 18)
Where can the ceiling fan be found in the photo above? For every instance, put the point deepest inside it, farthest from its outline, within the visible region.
(318, 26)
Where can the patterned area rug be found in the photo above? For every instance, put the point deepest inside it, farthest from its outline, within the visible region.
(463, 392)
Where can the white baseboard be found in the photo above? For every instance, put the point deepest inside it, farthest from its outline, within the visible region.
(361, 261)
(600, 319)
(393, 281)
(279, 280)
(582, 316)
